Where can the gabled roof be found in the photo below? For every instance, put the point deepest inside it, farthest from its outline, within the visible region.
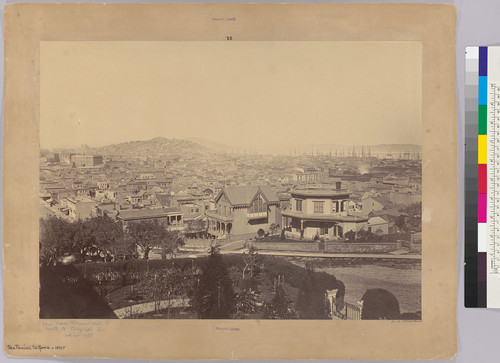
(243, 195)
(147, 213)
(382, 200)
(172, 210)
(387, 213)
(139, 193)
(377, 220)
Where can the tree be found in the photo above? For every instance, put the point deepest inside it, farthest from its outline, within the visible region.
(235, 276)
(57, 238)
(364, 235)
(97, 238)
(311, 301)
(411, 219)
(401, 223)
(213, 297)
(84, 240)
(414, 216)
(274, 227)
(169, 243)
(279, 307)
(196, 227)
(107, 236)
(251, 261)
(147, 234)
(247, 302)
(166, 284)
(351, 235)
(379, 304)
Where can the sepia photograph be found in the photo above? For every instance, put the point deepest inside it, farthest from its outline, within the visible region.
(269, 181)
(231, 180)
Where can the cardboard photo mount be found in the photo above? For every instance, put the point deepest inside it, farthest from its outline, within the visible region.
(26, 25)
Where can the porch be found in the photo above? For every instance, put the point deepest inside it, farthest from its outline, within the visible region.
(310, 228)
(218, 225)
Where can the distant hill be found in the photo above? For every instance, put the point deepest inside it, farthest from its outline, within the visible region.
(211, 144)
(164, 147)
(157, 147)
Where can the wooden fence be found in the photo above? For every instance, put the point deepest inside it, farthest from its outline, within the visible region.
(352, 312)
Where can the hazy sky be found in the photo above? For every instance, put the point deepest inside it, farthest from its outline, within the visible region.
(245, 94)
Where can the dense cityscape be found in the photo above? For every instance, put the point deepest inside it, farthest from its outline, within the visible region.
(288, 230)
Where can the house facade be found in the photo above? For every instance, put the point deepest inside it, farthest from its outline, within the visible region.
(309, 177)
(81, 161)
(80, 208)
(379, 226)
(406, 196)
(242, 210)
(374, 203)
(321, 212)
(171, 218)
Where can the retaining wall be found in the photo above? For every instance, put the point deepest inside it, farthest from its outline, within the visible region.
(287, 246)
(361, 247)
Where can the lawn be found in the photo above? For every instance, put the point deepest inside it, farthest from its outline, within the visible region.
(114, 285)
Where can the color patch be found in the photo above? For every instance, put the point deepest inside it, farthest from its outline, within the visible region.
(482, 149)
(482, 231)
(482, 120)
(481, 266)
(482, 208)
(483, 61)
(483, 90)
(482, 179)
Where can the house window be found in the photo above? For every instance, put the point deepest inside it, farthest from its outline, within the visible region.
(342, 206)
(335, 207)
(323, 231)
(318, 207)
(258, 206)
(298, 205)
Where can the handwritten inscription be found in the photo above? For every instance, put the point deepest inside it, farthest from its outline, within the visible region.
(74, 328)
(70, 329)
(38, 347)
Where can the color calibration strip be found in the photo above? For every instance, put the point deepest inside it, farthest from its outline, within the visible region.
(482, 155)
(475, 292)
(482, 177)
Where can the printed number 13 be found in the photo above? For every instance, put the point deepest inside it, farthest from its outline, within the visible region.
(229, 37)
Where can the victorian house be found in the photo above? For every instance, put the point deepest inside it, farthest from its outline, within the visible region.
(322, 212)
(171, 218)
(240, 210)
